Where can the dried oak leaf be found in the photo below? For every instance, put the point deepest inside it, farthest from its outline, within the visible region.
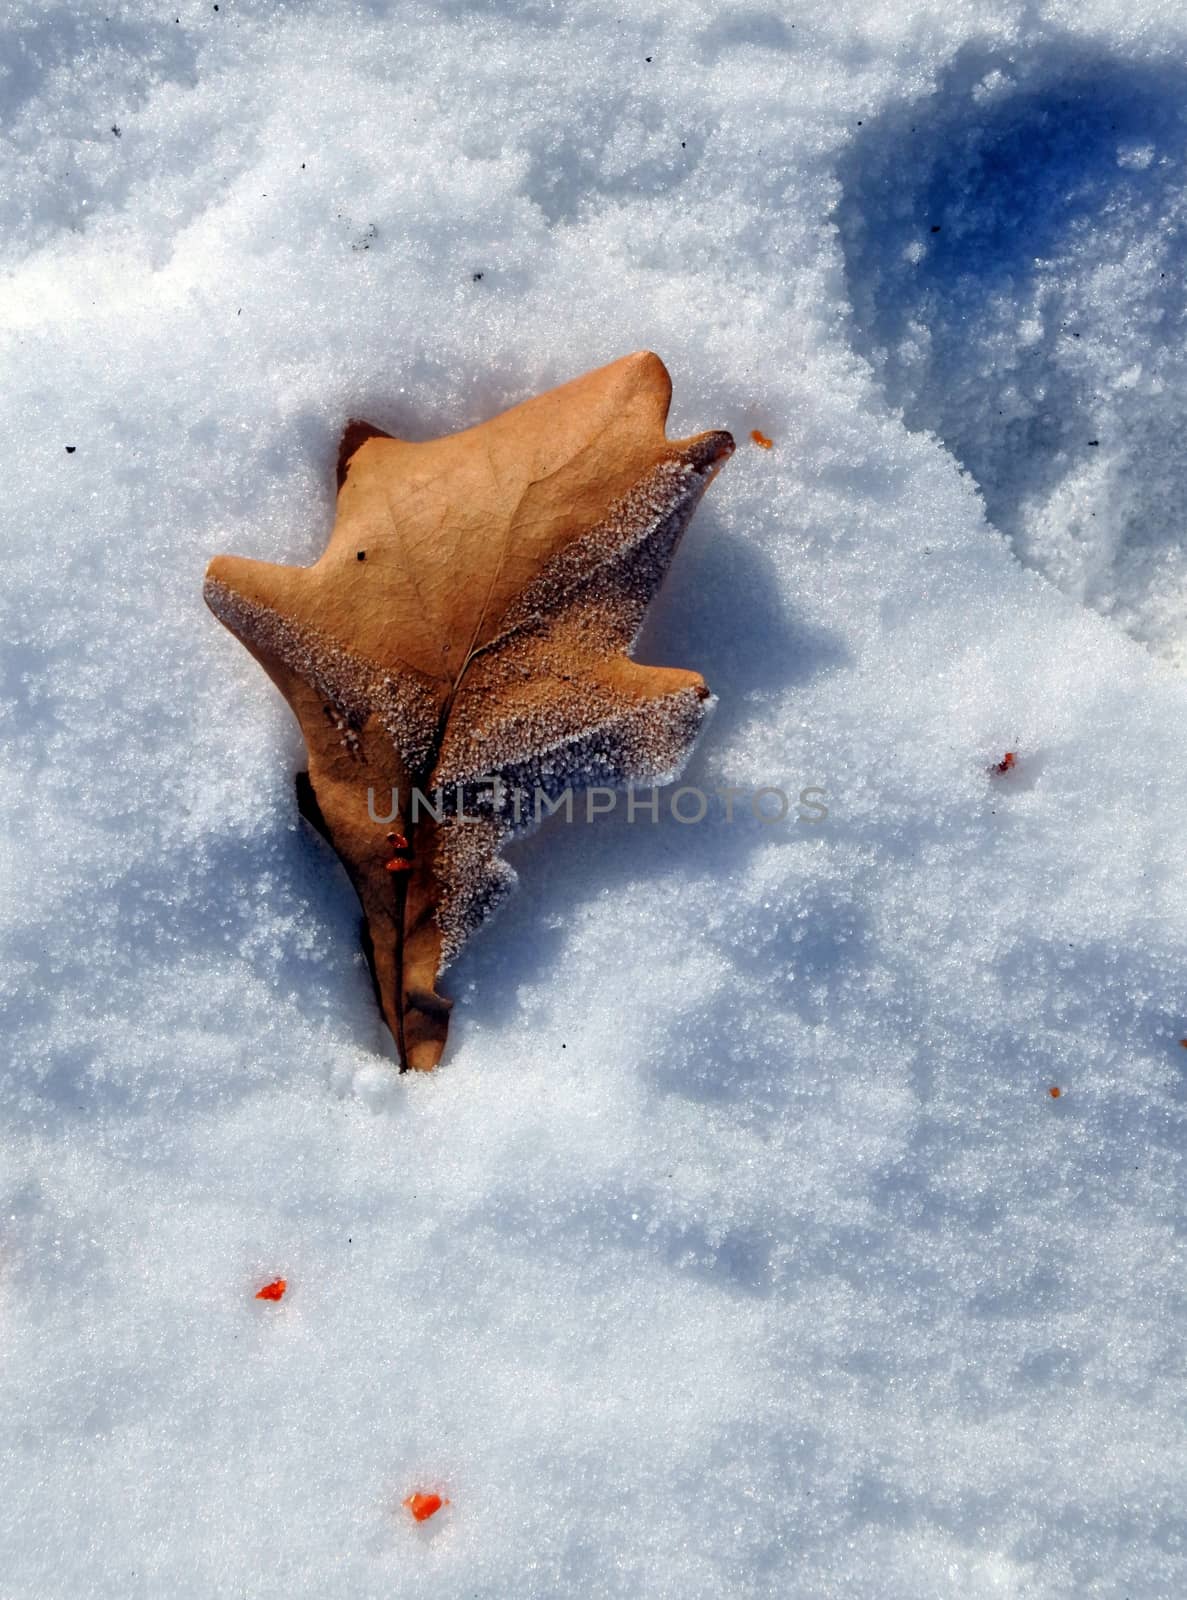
(471, 618)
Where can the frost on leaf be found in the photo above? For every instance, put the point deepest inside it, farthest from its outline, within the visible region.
(479, 652)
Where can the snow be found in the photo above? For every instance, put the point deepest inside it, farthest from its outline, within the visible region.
(738, 1246)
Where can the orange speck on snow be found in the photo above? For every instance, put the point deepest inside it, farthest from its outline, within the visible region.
(424, 1506)
(761, 439)
(274, 1290)
(1183, 1042)
(1055, 1091)
(1004, 765)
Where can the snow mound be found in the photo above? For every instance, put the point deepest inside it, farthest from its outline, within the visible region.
(1016, 247)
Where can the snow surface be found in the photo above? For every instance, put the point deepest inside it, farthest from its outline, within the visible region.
(738, 1247)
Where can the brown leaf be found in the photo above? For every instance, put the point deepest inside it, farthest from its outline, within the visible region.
(472, 617)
